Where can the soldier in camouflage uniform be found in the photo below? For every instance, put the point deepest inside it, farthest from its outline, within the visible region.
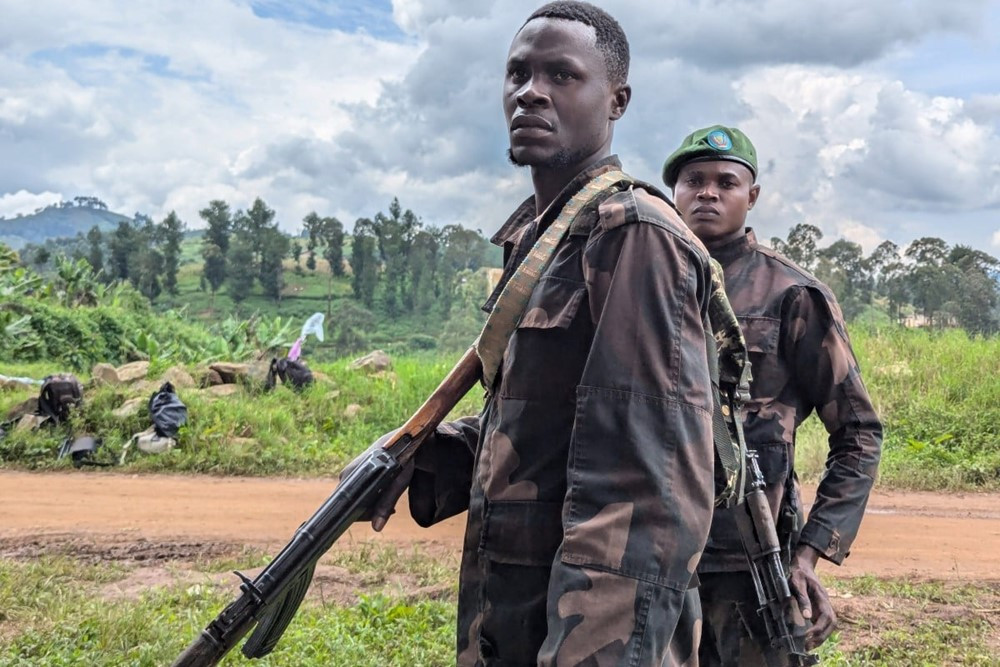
(589, 475)
(801, 361)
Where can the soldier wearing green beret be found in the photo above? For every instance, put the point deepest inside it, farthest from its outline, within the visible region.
(801, 362)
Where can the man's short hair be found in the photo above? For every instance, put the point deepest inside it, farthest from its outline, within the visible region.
(611, 39)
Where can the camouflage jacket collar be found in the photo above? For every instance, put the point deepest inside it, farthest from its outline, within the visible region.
(727, 252)
(524, 214)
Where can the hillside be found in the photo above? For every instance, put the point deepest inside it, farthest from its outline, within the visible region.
(57, 221)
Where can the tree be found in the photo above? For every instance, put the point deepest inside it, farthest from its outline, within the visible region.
(363, 263)
(41, 256)
(122, 247)
(312, 224)
(297, 253)
(215, 243)
(843, 268)
(395, 233)
(273, 251)
(171, 232)
(801, 245)
(254, 224)
(333, 239)
(95, 254)
(240, 282)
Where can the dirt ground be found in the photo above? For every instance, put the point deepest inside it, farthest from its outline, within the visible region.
(107, 516)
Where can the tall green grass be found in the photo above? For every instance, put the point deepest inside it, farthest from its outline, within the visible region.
(938, 394)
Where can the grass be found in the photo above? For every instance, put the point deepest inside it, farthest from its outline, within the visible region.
(938, 394)
(250, 433)
(58, 612)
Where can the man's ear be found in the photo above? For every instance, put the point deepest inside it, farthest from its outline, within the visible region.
(620, 100)
(754, 193)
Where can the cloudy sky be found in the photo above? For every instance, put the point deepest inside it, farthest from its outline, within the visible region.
(872, 120)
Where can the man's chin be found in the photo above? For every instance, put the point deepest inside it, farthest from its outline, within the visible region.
(529, 157)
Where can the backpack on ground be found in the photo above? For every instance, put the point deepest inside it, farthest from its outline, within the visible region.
(295, 373)
(60, 393)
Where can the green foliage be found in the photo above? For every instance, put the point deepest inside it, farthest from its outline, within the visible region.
(55, 614)
(938, 393)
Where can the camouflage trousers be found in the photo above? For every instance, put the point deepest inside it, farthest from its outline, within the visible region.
(733, 634)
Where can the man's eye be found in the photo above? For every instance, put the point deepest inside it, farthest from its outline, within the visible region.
(729, 185)
(563, 75)
(517, 73)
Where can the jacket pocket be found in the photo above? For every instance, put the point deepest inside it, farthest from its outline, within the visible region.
(553, 304)
(761, 334)
(521, 532)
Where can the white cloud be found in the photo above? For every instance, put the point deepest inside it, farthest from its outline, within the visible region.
(159, 108)
(23, 202)
(996, 239)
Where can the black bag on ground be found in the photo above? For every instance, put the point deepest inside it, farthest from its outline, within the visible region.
(60, 393)
(82, 450)
(291, 372)
(167, 411)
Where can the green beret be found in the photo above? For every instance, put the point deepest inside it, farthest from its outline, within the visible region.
(711, 143)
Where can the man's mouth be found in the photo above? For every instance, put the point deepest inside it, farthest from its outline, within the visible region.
(529, 124)
(705, 210)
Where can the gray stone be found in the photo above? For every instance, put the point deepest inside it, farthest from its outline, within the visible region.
(136, 370)
(25, 407)
(352, 411)
(105, 373)
(230, 372)
(179, 377)
(130, 407)
(372, 362)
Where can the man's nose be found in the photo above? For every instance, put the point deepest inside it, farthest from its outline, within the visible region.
(532, 94)
(708, 191)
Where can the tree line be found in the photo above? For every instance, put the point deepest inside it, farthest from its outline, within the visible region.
(947, 285)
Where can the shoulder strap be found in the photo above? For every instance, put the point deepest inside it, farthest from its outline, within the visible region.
(733, 372)
(510, 305)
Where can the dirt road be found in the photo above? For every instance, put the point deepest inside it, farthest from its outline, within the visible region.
(940, 536)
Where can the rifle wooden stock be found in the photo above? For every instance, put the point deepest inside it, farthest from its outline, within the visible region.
(271, 600)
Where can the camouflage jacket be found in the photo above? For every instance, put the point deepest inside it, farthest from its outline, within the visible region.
(589, 474)
(801, 361)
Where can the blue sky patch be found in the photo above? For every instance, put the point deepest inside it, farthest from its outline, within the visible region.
(78, 60)
(371, 16)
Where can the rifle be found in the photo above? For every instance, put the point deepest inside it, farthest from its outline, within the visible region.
(778, 607)
(272, 598)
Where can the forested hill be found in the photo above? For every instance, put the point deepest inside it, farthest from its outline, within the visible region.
(65, 219)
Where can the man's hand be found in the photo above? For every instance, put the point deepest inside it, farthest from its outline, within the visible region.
(385, 505)
(812, 597)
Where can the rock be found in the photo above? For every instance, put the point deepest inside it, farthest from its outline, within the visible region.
(229, 372)
(257, 373)
(241, 442)
(105, 373)
(136, 370)
(211, 379)
(30, 422)
(322, 377)
(129, 408)
(352, 411)
(144, 388)
(178, 377)
(372, 362)
(221, 390)
(15, 384)
(332, 395)
(25, 407)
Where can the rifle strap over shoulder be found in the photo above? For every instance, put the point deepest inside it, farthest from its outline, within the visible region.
(513, 299)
